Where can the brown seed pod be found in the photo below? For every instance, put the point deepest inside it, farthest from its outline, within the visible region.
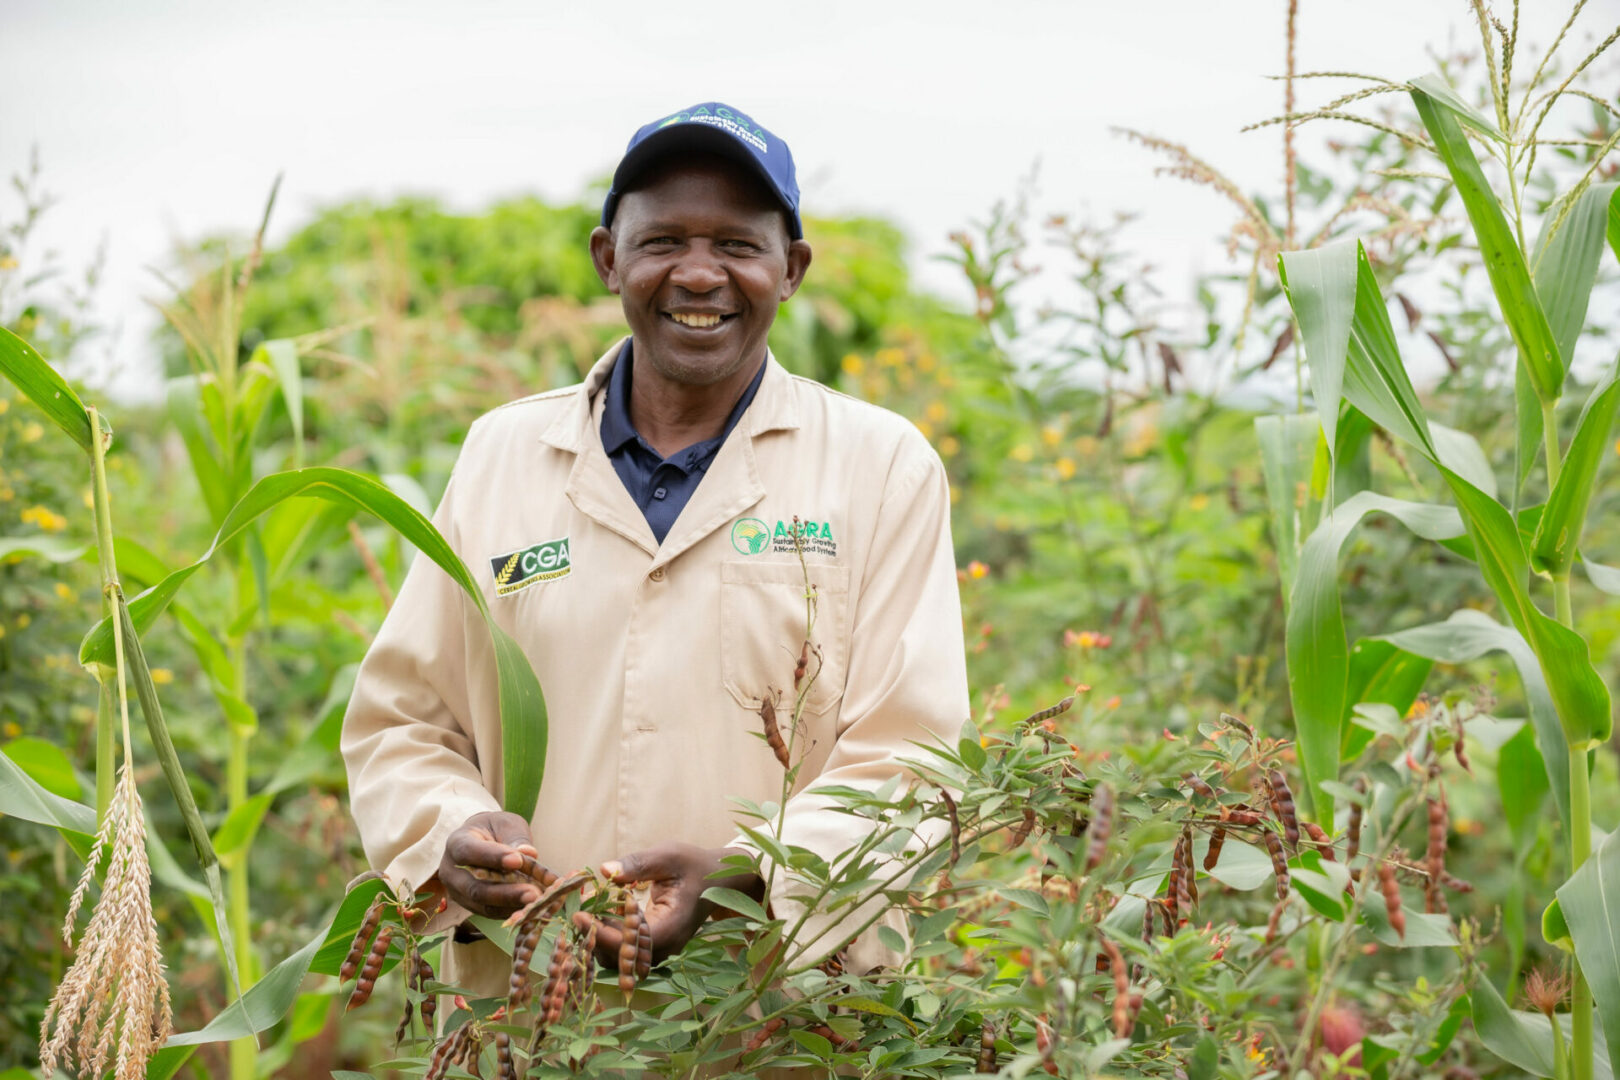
(1282, 801)
(1217, 840)
(521, 985)
(1189, 875)
(534, 871)
(505, 1067)
(1147, 922)
(1180, 870)
(1122, 989)
(773, 731)
(763, 1035)
(1456, 884)
(1020, 832)
(1392, 898)
(1243, 816)
(987, 1047)
(802, 668)
(567, 965)
(1435, 856)
(362, 940)
(404, 1021)
(1319, 840)
(1275, 920)
(1353, 845)
(1233, 722)
(838, 1041)
(1050, 712)
(644, 950)
(1045, 1045)
(1101, 827)
(630, 944)
(1279, 862)
(449, 1052)
(1200, 786)
(373, 968)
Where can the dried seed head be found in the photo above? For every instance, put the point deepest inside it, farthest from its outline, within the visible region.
(362, 940)
(1020, 832)
(373, 967)
(1545, 992)
(1123, 1021)
(1434, 899)
(956, 830)
(115, 993)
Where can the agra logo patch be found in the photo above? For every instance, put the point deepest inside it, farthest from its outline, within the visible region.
(750, 536)
(519, 569)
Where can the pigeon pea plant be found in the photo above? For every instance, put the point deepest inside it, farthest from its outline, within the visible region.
(1068, 913)
(1358, 380)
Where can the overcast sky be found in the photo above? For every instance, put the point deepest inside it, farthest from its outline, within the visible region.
(167, 119)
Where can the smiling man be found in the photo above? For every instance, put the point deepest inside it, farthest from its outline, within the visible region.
(636, 535)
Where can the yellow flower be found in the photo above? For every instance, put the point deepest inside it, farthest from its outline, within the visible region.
(13, 729)
(926, 428)
(23, 620)
(937, 412)
(1022, 452)
(162, 676)
(1086, 444)
(926, 362)
(977, 569)
(89, 499)
(8, 262)
(956, 493)
(65, 591)
(33, 431)
(1051, 435)
(852, 364)
(948, 446)
(45, 518)
(1420, 708)
(890, 357)
(7, 494)
(1198, 502)
(1065, 468)
(5, 403)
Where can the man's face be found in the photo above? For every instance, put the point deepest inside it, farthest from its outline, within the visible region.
(700, 257)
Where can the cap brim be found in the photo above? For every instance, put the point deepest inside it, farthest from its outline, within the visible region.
(681, 139)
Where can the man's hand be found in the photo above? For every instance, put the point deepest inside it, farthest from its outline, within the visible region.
(492, 840)
(679, 873)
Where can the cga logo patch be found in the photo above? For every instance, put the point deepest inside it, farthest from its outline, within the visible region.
(750, 536)
(538, 562)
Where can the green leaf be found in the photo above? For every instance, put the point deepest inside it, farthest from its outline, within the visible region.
(1565, 267)
(1559, 531)
(1423, 931)
(1590, 900)
(1468, 635)
(522, 706)
(47, 764)
(237, 830)
(741, 903)
(23, 797)
(1027, 898)
(1521, 779)
(185, 406)
(1321, 287)
(1441, 91)
(281, 356)
(1318, 653)
(56, 549)
(1287, 444)
(1380, 674)
(1554, 928)
(1519, 1038)
(1461, 453)
(1375, 381)
(1527, 428)
(1504, 262)
(21, 363)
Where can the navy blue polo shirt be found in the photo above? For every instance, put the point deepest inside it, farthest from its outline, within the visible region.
(660, 486)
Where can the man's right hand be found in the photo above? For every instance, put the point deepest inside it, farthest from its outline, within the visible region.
(492, 840)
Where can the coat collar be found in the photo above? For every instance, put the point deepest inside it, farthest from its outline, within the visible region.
(731, 485)
(775, 406)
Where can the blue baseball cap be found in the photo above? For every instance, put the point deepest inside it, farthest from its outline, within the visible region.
(715, 128)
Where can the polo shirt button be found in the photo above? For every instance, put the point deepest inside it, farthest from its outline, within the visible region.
(657, 574)
(660, 493)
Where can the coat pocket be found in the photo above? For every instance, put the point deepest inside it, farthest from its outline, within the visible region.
(762, 622)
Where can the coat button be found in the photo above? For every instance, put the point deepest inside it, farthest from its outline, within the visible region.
(657, 574)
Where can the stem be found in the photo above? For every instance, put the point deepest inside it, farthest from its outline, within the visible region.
(244, 1052)
(106, 765)
(1580, 848)
(1549, 436)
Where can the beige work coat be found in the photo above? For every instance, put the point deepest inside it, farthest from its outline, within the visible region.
(654, 658)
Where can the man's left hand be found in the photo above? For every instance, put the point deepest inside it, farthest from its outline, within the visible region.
(675, 909)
